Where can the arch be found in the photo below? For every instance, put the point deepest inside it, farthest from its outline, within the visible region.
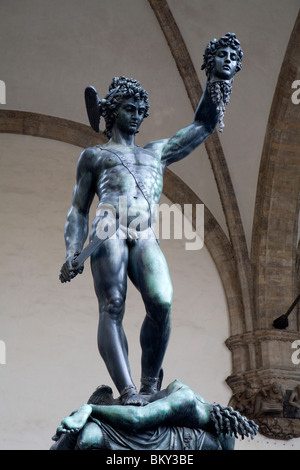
(275, 228)
(218, 162)
(81, 135)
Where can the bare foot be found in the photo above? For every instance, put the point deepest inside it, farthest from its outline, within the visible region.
(76, 421)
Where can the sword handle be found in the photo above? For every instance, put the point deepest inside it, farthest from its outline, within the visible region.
(67, 274)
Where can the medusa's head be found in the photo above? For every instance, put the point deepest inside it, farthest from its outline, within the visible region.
(222, 58)
(120, 90)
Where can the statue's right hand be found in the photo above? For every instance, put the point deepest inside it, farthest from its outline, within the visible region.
(68, 271)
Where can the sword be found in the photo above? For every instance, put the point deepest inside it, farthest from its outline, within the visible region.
(79, 258)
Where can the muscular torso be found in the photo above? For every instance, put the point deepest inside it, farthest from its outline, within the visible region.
(113, 180)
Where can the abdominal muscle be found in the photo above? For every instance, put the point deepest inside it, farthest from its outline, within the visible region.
(127, 216)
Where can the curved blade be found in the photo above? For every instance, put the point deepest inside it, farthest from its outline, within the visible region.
(92, 101)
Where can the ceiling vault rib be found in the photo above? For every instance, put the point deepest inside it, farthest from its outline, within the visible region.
(275, 264)
(215, 153)
(275, 227)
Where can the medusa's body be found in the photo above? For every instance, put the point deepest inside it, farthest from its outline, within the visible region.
(176, 415)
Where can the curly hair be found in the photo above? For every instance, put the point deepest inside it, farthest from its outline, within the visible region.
(212, 47)
(220, 90)
(120, 89)
(226, 420)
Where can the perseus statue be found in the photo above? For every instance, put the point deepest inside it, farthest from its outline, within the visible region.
(121, 169)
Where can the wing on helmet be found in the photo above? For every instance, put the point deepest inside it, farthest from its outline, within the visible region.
(92, 102)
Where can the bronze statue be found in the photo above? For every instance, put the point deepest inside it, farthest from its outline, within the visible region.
(176, 419)
(121, 169)
(222, 60)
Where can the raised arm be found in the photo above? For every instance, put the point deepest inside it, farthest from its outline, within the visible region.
(190, 137)
(77, 223)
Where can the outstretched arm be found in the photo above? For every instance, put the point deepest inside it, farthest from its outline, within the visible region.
(179, 408)
(190, 137)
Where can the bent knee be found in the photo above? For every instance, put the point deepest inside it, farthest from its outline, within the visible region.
(115, 304)
(159, 309)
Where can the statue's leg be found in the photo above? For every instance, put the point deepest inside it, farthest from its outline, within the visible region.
(109, 267)
(149, 272)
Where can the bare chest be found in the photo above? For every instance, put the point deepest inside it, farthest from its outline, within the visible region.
(122, 169)
(134, 157)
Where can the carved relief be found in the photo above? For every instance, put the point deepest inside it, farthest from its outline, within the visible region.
(275, 410)
(291, 408)
(269, 401)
